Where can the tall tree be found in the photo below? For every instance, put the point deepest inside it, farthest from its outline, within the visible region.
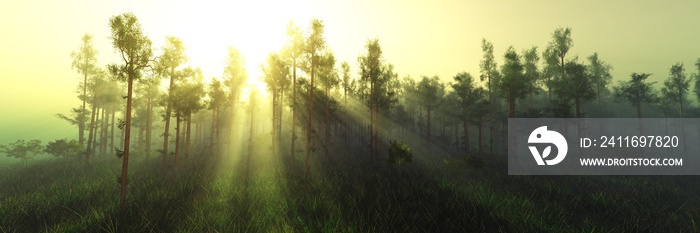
(561, 44)
(697, 78)
(315, 44)
(513, 84)
(489, 72)
(578, 86)
(235, 76)
(217, 100)
(276, 76)
(294, 50)
(370, 70)
(431, 92)
(168, 66)
(600, 73)
(186, 100)
(135, 50)
(466, 94)
(550, 72)
(532, 74)
(676, 85)
(636, 91)
(85, 62)
(328, 75)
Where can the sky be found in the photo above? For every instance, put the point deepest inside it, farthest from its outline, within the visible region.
(439, 37)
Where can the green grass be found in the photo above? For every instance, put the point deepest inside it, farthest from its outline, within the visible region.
(346, 193)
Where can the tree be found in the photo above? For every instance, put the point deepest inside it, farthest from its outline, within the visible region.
(135, 50)
(370, 70)
(22, 150)
(577, 87)
(217, 99)
(186, 100)
(431, 92)
(345, 67)
(294, 49)
(479, 109)
(328, 75)
(561, 44)
(600, 73)
(276, 76)
(85, 62)
(636, 91)
(697, 79)
(550, 72)
(532, 74)
(315, 43)
(513, 84)
(489, 72)
(148, 91)
(466, 96)
(64, 148)
(172, 58)
(677, 85)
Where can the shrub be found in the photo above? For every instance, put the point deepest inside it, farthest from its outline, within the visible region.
(64, 148)
(399, 153)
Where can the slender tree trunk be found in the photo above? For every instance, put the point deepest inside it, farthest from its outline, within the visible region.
(96, 128)
(578, 108)
(429, 131)
(187, 138)
(511, 108)
(127, 136)
(149, 128)
(294, 104)
(105, 131)
(328, 133)
(481, 136)
(91, 134)
(177, 143)
(466, 136)
(167, 119)
(111, 134)
(213, 128)
(310, 117)
(81, 123)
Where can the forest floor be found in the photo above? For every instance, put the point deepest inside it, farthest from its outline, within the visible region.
(256, 191)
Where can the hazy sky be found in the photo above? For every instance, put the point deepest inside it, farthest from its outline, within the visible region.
(418, 37)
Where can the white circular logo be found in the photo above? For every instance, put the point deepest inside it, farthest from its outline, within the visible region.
(542, 135)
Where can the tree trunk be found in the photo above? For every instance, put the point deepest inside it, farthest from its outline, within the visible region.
(511, 108)
(167, 120)
(127, 134)
(149, 128)
(81, 123)
(328, 135)
(177, 142)
(481, 136)
(310, 117)
(187, 136)
(91, 134)
(103, 132)
(111, 134)
(578, 107)
(294, 103)
(466, 136)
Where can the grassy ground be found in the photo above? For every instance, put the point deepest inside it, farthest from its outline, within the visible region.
(260, 192)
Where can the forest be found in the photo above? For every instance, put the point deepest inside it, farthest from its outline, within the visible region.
(317, 144)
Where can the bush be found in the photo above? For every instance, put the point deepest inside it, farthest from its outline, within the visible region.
(64, 148)
(399, 153)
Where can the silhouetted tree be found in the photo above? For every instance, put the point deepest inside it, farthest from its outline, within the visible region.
(677, 85)
(489, 72)
(466, 94)
(431, 92)
(345, 68)
(532, 74)
(135, 50)
(328, 75)
(577, 86)
(168, 66)
(24, 150)
(600, 73)
(636, 91)
(293, 51)
(513, 84)
(276, 76)
(85, 62)
(217, 100)
(64, 148)
(315, 44)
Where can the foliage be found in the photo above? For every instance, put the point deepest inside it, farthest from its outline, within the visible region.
(636, 91)
(399, 153)
(676, 85)
(24, 150)
(64, 148)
